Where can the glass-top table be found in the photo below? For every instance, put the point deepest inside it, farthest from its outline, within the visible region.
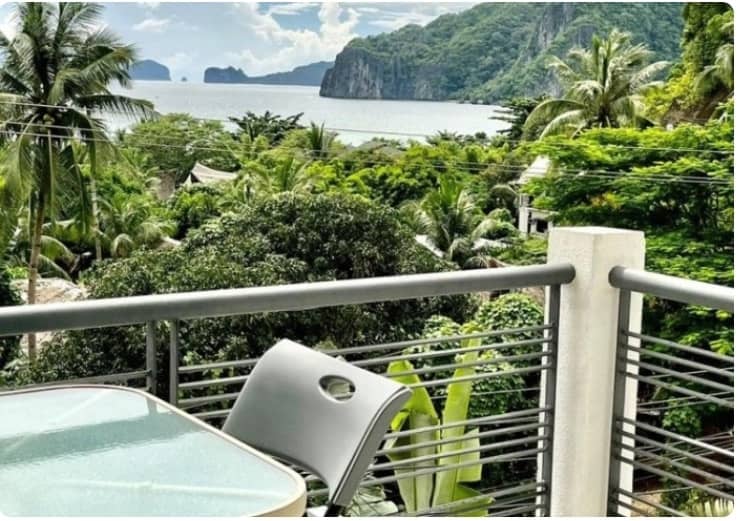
(113, 451)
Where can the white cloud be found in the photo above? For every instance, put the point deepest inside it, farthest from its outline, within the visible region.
(419, 14)
(295, 46)
(290, 8)
(150, 6)
(9, 25)
(152, 25)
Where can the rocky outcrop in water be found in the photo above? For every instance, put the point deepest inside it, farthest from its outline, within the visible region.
(310, 75)
(149, 70)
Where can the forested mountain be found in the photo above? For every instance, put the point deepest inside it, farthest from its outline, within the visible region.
(311, 75)
(491, 51)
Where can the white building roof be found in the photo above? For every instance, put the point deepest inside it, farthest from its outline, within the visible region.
(206, 175)
(538, 168)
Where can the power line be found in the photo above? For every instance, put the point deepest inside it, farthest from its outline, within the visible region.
(568, 144)
(595, 174)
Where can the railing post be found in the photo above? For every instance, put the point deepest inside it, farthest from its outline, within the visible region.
(151, 357)
(586, 359)
(174, 357)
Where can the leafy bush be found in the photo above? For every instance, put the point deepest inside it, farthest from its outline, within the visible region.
(9, 346)
(280, 240)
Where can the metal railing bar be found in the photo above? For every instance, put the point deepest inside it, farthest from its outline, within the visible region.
(515, 511)
(680, 375)
(652, 504)
(475, 363)
(188, 403)
(675, 450)
(448, 352)
(674, 489)
(437, 340)
(480, 376)
(491, 393)
(228, 380)
(248, 362)
(680, 361)
(651, 456)
(222, 413)
(463, 505)
(673, 435)
(673, 477)
(495, 418)
(478, 435)
(633, 508)
(433, 470)
(112, 378)
(185, 369)
(676, 388)
(403, 464)
(681, 347)
(289, 297)
(655, 411)
(678, 399)
(673, 288)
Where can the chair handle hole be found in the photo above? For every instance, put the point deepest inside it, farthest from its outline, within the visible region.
(336, 387)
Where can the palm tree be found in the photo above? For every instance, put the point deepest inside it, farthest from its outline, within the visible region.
(722, 70)
(129, 224)
(55, 73)
(453, 222)
(319, 140)
(603, 86)
(288, 175)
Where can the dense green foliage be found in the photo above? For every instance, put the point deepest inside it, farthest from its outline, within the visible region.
(494, 51)
(603, 88)
(279, 240)
(8, 297)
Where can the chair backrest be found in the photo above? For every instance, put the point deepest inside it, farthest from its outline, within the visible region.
(285, 409)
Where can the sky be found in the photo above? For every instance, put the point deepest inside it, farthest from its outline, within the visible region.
(258, 37)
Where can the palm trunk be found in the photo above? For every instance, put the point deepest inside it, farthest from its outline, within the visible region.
(96, 222)
(33, 267)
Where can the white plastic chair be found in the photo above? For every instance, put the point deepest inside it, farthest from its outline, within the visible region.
(287, 408)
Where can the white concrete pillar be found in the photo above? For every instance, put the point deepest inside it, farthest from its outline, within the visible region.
(586, 358)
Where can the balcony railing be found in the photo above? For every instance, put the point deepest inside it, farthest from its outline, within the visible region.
(506, 442)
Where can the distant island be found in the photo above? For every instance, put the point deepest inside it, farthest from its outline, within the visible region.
(492, 51)
(310, 75)
(149, 70)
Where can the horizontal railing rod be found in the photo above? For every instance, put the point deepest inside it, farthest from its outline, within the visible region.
(652, 504)
(107, 378)
(290, 297)
(678, 437)
(432, 470)
(249, 362)
(453, 351)
(660, 370)
(679, 389)
(480, 376)
(473, 363)
(680, 361)
(228, 380)
(681, 347)
(686, 454)
(212, 414)
(516, 511)
(495, 418)
(674, 477)
(467, 450)
(673, 288)
(649, 457)
(478, 435)
(188, 403)
(436, 340)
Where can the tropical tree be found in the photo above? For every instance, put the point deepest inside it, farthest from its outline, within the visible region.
(287, 175)
(272, 126)
(54, 76)
(130, 223)
(319, 140)
(603, 87)
(721, 71)
(453, 222)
